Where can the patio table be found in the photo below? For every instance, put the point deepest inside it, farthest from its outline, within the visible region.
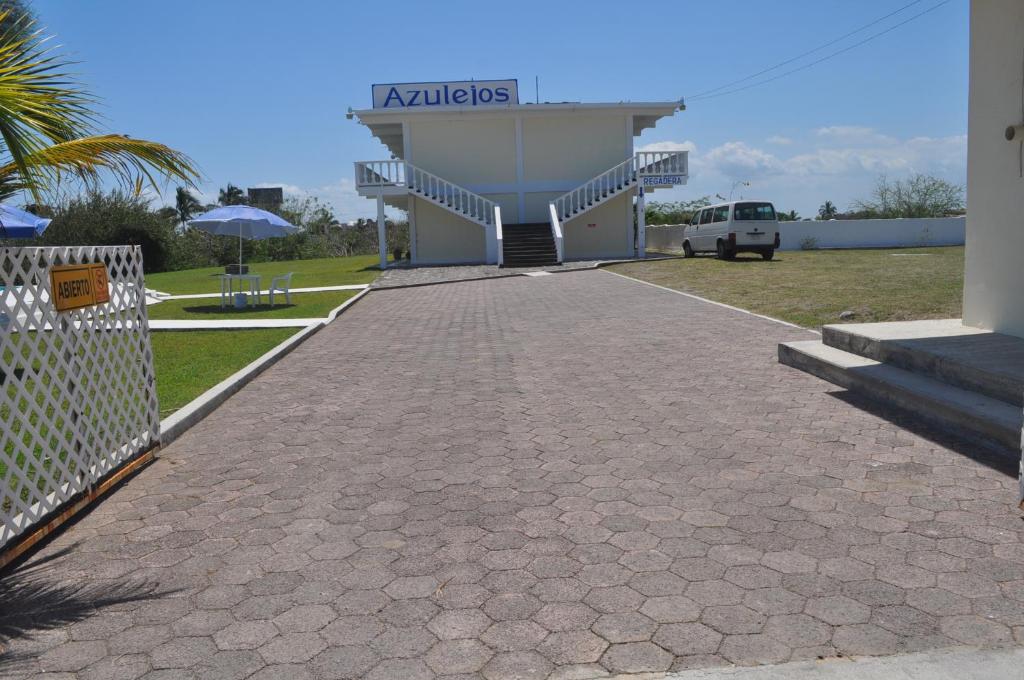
(227, 286)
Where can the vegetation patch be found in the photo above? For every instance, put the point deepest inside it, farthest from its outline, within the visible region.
(188, 363)
(324, 271)
(813, 287)
(303, 306)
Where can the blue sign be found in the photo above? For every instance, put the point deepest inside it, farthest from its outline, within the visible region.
(471, 93)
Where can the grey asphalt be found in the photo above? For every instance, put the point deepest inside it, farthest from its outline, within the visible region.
(564, 476)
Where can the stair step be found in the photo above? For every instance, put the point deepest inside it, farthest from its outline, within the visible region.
(941, 404)
(977, 360)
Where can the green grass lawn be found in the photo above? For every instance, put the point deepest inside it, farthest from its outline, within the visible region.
(812, 287)
(329, 271)
(304, 306)
(188, 363)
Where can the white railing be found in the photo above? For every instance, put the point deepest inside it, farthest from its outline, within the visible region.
(596, 190)
(663, 162)
(556, 232)
(499, 235)
(77, 392)
(397, 173)
(671, 165)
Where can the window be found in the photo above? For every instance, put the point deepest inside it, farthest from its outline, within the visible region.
(754, 211)
(722, 213)
(695, 219)
(705, 215)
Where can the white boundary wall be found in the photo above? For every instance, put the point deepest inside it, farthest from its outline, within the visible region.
(937, 231)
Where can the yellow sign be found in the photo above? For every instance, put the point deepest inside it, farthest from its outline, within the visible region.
(73, 286)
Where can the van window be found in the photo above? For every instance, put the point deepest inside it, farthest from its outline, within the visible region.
(705, 215)
(695, 219)
(722, 213)
(754, 211)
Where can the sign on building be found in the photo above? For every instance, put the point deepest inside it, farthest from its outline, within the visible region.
(267, 198)
(73, 286)
(471, 93)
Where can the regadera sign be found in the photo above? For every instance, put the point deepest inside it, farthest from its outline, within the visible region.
(451, 93)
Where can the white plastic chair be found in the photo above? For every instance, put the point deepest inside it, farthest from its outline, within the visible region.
(283, 284)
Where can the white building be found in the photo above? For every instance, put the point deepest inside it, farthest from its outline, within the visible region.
(485, 179)
(994, 276)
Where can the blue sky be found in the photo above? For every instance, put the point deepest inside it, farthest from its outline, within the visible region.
(256, 91)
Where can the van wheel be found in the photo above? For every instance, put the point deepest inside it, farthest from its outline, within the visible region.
(687, 249)
(723, 252)
(768, 254)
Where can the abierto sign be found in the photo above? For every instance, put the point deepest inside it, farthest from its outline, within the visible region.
(73, 286)
(471, 93)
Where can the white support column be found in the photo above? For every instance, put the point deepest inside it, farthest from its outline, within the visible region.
(411, 212)
(382, 241)
(520, 173)
(641, 222)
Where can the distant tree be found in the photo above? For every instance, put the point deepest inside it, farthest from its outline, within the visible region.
(186, 205)
(917, 196)
(678, 212)
(791, 216)
(231, 195)
(827, 211)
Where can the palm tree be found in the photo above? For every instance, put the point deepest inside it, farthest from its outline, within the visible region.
(827, 211)
(47, 125)
(186, 205)
(231, 195)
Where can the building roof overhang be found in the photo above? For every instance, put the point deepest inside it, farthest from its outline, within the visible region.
(387, 124)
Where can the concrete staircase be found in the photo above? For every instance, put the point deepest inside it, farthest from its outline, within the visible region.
(529, 245)
(963, 380)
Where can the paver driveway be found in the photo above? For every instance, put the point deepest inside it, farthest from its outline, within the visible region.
(569, 475)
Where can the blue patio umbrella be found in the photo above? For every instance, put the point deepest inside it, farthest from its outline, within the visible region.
(245, 222)
(16, 223)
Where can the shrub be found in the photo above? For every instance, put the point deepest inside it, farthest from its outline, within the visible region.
(808, 243)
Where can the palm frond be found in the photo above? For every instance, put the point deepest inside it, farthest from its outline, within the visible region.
(40, 103)
(133, 162)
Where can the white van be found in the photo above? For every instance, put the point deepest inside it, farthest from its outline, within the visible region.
(729, 228)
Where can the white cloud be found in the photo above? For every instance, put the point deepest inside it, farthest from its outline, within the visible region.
(837, 163)
(740, 161)
(779, 139)
(852, 134)
(670, 146)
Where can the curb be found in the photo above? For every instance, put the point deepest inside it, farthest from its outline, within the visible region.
(192, 413)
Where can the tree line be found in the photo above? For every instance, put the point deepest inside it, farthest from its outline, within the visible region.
(916, 196)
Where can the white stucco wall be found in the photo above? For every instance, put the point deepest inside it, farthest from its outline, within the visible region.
(442, 237)
(572, 148)
(940, 231)
(994, 275)
(468, 151)
(604, 232)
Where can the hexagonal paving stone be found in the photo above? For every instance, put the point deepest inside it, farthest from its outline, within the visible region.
(685, 639)
(304, 618)
(511, 606)
(625, 627)
(406, 669)
(403, 643)
(974, 630)
(509, 636)
(865, 639)
(562, 616)
(344, 662)
(838, 610)
(293, 648)
(636, 657)
(672, 609)
(456, 624)
(733, 619)
(750, 650)
(245, 635)
(458, 656)
(577, 646)
(517, 666)
(798, 630)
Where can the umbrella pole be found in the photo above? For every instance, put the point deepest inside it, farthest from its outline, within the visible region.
(239, 247)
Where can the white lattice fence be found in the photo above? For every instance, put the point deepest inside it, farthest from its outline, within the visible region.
(77, 394)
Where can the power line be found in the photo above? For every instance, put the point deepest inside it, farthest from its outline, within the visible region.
(707, 94)
(808, 52)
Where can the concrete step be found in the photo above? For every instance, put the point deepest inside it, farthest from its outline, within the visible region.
(943, 349)
(946, 406)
